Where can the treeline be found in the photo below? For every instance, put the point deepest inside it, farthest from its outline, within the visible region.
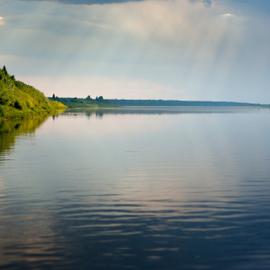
(81, 102)
(142, 102)
(100, 101)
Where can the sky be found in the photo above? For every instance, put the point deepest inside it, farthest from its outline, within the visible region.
(157, 49)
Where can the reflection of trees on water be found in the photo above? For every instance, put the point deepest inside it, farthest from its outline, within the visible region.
(101, 112)
(10, 129)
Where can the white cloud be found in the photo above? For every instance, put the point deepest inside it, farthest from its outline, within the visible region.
(228, 15)
(162, 20)
(2, 21)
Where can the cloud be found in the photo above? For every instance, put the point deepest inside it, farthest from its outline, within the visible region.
(147, 26)
(88, 2)
(173, 22)
(227, 15)
(170, 21)
(206, 3)
(2, 21)
(253, 6)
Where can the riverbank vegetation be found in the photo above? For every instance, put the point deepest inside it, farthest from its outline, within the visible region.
(19, 100)
(88, 102)
(101, 103)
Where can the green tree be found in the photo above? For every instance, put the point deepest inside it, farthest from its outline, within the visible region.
(99, 99)
(5, 70)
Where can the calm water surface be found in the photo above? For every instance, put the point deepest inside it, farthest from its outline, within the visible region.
(127, 189)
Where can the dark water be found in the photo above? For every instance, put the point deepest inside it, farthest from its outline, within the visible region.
(149, 189)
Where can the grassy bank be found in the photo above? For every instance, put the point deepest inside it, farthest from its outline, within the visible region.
(19, 100)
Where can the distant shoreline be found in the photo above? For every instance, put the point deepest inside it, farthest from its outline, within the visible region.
(100, 102)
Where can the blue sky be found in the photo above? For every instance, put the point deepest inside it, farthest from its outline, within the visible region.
(183, 49)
